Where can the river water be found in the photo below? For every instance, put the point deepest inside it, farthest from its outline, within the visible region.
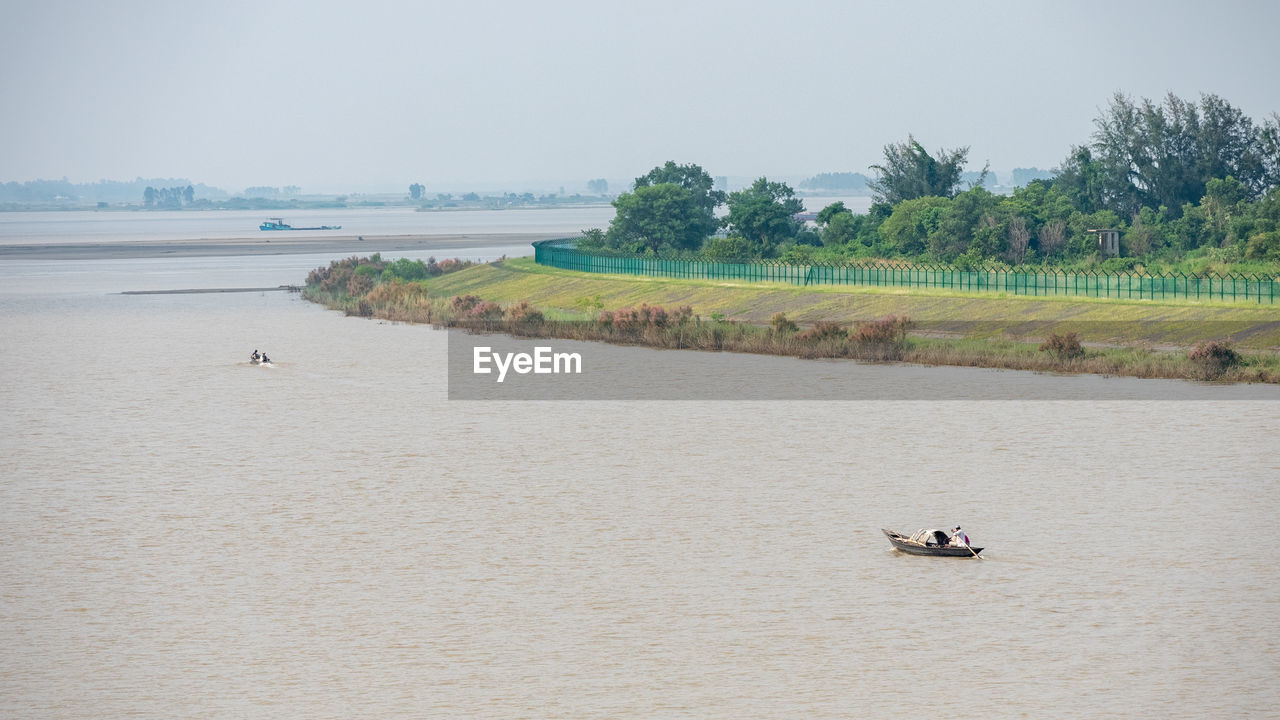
(186, 535)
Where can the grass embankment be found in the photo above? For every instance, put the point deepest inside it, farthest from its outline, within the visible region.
(1137, 338)
(936, 312)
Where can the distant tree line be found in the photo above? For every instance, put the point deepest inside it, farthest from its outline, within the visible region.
(270, 192)
(170, 197)
(841, 181)
(65, 192)
(1191, 185)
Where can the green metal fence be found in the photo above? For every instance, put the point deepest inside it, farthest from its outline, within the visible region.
(1017, 281)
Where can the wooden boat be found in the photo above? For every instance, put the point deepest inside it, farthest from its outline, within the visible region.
(929, 542)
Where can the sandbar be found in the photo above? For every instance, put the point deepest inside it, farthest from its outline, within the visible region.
(291, 245)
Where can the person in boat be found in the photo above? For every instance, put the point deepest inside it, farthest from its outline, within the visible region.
(255, 357)
(958, 538)
(265, 359)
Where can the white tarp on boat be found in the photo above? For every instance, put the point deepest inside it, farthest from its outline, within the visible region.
(931, 536)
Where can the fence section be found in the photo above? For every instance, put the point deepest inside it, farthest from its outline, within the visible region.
(1016, 281)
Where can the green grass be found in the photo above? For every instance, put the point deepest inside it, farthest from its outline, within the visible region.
(565, 294)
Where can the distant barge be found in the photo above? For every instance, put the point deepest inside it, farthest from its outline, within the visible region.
(279, 224)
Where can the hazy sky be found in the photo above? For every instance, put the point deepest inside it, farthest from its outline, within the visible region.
(364, 96)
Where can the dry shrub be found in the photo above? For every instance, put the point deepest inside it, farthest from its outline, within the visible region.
(525, 314)
(358, 285)
(485, 311)
(888, 330)
(461, 305)
(1213, 358)
(782, 324)
(446, 266)
(1064, 346)
(637, 318)
(823, 330)
(397, 293)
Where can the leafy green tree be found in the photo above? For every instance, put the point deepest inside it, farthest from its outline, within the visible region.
(764, 214)
(830, 211)
(405, 269)
(907, 230)
(1269, 149)
(416, 190)
(599, 186)
(910, 172)
(1162, 155)
(1080, 179)
(973, 217)
(593, 239)
(841, 229)
(659, 215)
(1142, 236)
(728, 248)
(697, 183)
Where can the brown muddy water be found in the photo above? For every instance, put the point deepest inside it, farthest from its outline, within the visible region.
(186, 535)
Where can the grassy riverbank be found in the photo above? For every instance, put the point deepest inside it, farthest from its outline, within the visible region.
(1138, 338)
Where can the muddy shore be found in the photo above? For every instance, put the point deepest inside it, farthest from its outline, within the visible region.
(292, 245)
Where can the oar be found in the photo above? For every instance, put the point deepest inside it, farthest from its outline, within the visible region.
(969, 547)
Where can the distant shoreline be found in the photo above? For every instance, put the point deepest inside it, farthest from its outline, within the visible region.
(275, 244)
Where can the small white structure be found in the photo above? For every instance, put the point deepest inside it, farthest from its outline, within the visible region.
(1108, 242)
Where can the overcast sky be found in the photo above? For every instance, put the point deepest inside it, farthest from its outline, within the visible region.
(339, 96)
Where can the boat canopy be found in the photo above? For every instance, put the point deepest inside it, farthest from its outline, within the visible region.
(931, 536)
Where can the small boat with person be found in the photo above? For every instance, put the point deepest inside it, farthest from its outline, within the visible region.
(931, 541)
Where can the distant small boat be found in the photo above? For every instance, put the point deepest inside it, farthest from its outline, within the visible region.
(279, 224)
(929, 542)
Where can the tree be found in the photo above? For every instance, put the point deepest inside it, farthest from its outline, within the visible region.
(655, 216)
(910, 172)
(1080, 180)
(836, 181)
(599, 186)
(188, 194)
(416, 190)
(1019, 238)
(694, 180)
(764, 214)
(149, 197)
(827, 213)
(1052, 237)
(1162, 155)
(728, 248)
(908, 229)
(841, 229)
(1269, 149)
(672, 205)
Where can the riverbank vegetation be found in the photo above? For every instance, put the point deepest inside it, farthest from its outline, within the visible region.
(520, 298)
(1194, 187)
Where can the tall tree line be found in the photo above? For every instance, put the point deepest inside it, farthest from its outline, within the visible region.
(171, 197)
